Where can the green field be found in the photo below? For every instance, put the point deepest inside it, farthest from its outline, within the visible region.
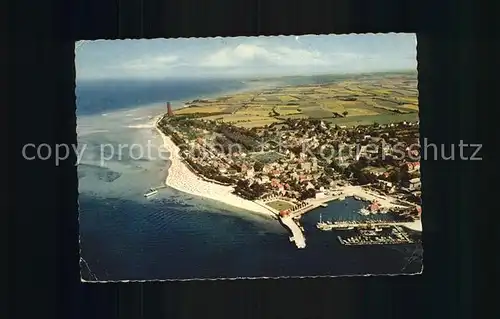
(280, 205)
(346, 100)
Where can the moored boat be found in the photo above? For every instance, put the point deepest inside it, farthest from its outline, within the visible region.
(364, 212)
(151, 192)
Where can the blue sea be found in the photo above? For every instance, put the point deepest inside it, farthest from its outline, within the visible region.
(173, 235)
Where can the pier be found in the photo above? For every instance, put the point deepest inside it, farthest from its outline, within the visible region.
(297, 234)
(158, 187)
(326, 226)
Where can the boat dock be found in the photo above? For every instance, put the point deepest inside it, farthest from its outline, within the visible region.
(153, 191)
(297, 234)
(377, 236)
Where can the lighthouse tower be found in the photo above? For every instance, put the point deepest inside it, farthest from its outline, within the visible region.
(169, 110)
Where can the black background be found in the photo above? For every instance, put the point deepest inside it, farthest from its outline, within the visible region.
(43, 254)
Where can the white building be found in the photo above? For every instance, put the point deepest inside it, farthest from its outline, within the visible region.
(415, 184)
(320, 195)
(250, 173)
(264, 179)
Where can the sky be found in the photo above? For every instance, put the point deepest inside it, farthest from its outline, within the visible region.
(244, 56)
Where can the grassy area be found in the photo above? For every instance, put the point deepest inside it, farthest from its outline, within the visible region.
(287, 98)
(280, 205)
(201, 109)
(380, 119)
(266, 157)
(258, 123)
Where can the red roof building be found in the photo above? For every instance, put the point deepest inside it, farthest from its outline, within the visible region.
(284, 213)
(374, 207)
(419, 210)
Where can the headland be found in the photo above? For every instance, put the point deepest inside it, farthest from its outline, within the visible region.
(284, 151)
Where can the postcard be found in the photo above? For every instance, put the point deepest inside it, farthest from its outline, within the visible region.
(248, 157)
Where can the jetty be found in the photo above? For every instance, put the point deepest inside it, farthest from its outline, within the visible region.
(159, 187)
(392, 235)
(327, 226)
(297, 234)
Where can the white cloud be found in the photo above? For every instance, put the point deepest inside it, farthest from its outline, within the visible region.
(244, 56)
(150, 63)
(248, 54)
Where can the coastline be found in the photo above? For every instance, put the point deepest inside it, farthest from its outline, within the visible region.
(181, 178)
(246, 88)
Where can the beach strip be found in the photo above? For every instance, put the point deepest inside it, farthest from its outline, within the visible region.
(181, 178)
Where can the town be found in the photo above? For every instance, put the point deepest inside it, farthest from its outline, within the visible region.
(292, 149)
(301, 159)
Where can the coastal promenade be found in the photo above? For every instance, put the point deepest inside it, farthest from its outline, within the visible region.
(297, 235)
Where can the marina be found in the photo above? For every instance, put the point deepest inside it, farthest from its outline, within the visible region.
(378, 235)
(364, 212)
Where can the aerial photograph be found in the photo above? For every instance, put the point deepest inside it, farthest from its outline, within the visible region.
(248, 157)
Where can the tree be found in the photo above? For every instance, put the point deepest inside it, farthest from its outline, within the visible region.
(309, 193)
(345, 113)
(258, 166)
(242, 184)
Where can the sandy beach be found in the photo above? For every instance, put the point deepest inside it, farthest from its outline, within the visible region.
(181, 178)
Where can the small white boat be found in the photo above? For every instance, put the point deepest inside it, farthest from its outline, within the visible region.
(151, 192)
(324, 205)
(364, 212)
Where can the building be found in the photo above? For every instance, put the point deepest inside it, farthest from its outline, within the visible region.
(415, 184)
(385, 185)
(169, 110)
(374, 207)
(412, 166)
(306, 166)
(320, 195)
(310, 186)
(285, 213)
(264, 179)
(250, 172)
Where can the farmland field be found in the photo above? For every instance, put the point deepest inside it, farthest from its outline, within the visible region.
(381, 98)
